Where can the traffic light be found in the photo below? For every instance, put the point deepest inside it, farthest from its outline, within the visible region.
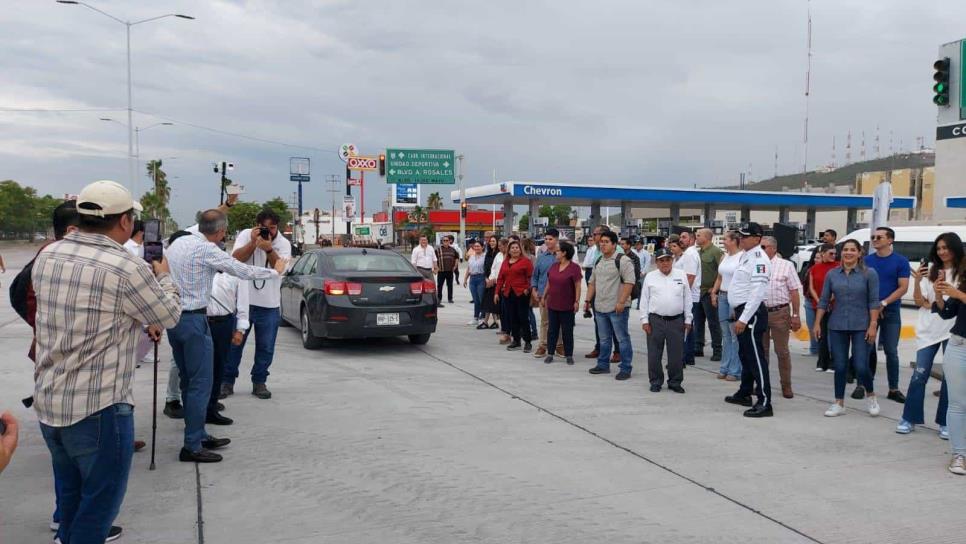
(463, 210)
(382, 165)
(941, 77)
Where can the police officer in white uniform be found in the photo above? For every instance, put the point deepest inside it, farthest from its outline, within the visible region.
(746, 297)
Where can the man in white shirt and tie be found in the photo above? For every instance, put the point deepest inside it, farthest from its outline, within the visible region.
(691, 264)
(424, 258)
(666, 317)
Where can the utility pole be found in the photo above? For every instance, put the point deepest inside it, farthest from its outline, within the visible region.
(462, 202)
(333, 181)
(348, 192)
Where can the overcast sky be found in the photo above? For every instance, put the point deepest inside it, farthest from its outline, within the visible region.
(661, 93)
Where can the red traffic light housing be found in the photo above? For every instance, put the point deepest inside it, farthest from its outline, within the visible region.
(463, 209)
(382, 165)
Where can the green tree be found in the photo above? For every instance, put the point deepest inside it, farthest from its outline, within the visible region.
(242, 215)
(524, 222)
(281, 208)
(434, 202)
(155, 201)
(18, 206)
(558, 215)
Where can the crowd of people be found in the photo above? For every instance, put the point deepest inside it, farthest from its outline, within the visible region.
(97, 307)
(747, 298)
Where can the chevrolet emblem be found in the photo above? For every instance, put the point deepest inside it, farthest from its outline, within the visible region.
(387, 288)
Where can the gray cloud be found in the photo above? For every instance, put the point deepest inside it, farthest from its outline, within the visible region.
(662, 93)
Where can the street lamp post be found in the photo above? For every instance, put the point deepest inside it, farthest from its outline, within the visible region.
(130, 107)
(137, 147)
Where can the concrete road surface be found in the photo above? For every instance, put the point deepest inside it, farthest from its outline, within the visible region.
(461, 441)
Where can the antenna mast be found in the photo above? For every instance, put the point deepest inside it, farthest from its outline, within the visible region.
(808, 84)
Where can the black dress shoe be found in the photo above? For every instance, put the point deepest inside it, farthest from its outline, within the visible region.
(622, 375)
(212, 443)
(896, 396)
(174, 410)
(200, 456)
(699, 353)
(716, 356)
(858, 393)
(513, 346)
(596, 370)
(220, 406)
(740, 401)
(676, 388)
(217, 419)
(655, 388)
(759, 411)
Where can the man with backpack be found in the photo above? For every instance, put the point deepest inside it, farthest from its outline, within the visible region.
(628, 246)
(609, 290)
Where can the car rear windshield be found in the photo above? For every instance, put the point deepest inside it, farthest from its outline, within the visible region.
(357, 262)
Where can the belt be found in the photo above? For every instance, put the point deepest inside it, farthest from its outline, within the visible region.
(776, 308)
(219, 318)
(424, 268)
(196, 311)
(720, 292)
(668, 317)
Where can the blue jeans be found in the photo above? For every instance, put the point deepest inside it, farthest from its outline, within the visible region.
(193, 350)
(92, 460)
(477, 286)
(689, 337)
(890, 325)
(840, 340)
(265, 321)
(810, 322)
(611, 324)
(730, 362)
(954, 368)
(912, 410)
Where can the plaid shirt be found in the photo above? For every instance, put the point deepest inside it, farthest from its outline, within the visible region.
(92, 299)
(781, 281)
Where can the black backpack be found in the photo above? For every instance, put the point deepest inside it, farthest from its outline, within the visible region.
(636, 290)
(18, 290)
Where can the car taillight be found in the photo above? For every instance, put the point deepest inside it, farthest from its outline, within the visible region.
(429, 286)
(334, 287)
(355, 289)
(416, 287)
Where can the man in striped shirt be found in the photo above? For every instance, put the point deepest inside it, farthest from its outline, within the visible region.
(92, 299)
(195, 260)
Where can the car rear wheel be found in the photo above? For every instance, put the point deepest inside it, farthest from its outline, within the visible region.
(419, 339)
(309, 340)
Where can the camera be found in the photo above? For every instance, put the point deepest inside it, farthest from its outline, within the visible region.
(265, 233)
(587, 314)
(153, 246)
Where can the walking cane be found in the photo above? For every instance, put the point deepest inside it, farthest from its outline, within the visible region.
(154, 406)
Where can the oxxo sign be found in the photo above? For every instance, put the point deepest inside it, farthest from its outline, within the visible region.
(363, 163)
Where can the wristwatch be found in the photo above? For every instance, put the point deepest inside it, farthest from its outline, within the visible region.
(883, 303)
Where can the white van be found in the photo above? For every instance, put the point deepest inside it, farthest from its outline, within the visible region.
(912, 242)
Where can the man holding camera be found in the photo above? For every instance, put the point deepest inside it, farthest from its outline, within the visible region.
(195, 259)
(92, 297)
(261, 246)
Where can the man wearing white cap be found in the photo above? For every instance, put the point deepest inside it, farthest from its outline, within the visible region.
(92, 299)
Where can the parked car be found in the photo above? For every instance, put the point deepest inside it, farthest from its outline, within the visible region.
(357, 293)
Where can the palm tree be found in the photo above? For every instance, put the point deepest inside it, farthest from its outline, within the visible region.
(155, 201)
(434, 202)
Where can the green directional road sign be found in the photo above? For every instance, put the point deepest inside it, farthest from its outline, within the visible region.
(421, 166)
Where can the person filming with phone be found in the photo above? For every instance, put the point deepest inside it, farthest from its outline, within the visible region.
(84, 373)
(261, 246)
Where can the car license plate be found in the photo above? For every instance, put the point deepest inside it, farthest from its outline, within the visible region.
(387, 319)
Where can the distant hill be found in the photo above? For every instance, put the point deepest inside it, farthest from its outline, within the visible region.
(841, 176)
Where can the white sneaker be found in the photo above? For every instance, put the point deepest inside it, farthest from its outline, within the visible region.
(958, 465)
(835, 410)
(473, 322)
(873, 407)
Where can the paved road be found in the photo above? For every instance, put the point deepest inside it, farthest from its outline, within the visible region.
(461, 441)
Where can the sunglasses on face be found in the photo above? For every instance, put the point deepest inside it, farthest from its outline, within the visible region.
(880, 237)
